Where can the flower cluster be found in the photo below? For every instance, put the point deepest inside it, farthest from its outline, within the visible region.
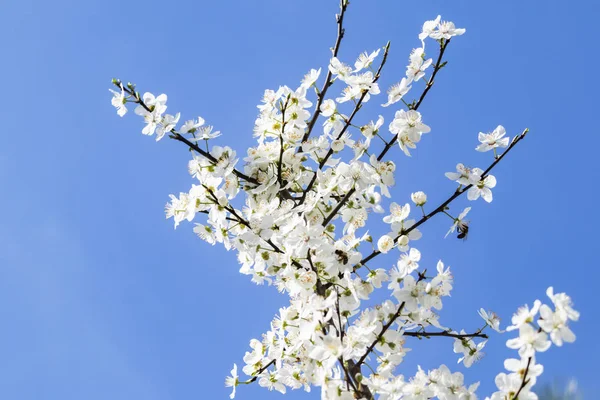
(295, 209)
(552, 327)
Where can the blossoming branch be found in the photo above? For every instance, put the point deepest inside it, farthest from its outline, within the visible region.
(296, 210)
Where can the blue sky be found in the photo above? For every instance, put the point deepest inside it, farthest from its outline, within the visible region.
(100, 298)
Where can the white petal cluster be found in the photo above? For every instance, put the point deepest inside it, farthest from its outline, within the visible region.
(295, 209)
(478, 183)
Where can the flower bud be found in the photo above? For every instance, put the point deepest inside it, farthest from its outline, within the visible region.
(419, 198)
(385, 243)
(337, 145)
(403, 241)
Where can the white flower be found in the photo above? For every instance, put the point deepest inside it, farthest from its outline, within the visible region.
(465, 175)
(310, 78)
(429, 27)
(471, 352)
(563, 303)
(269, 380)
(118, 101)
(555, 324)
(398, 213)
(491, 319)
(529, 341)
(483, 189)
(408, 127)
(509, 385)
(372, 128)
(409, 262)
(329, 346)
(397, 91)
(524, 315)
(328, 108)
(232, 381)
(409, 123)
(446, 30)
(419, 198)
(191, 126)
(167, 123)
(459, 222)
(492, 140)
(152, 112)
(377, 276)
(417, 64)
(365, 60)
(340, 69)
(524, 364)
(385, 243)
(206, 133)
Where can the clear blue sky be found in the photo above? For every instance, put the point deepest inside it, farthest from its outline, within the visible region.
(100, 298)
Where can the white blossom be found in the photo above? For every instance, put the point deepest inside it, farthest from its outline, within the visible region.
(299, 209)
(490, 141)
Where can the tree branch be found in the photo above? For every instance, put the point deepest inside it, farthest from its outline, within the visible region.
(283, 123)
(442, 207)
(177, 136)
(260, 371)
(387, 326)
(347, 124)
(328, 82)
(428, 85)
(380, 335)
(195, 147)
(338, 207)
(446, 334)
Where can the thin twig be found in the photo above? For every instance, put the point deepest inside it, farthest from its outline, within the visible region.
(347, 124)
(428, 85)
(446, 334)
(387, 326)
(525, 380)
(260, 371)
(177, 136)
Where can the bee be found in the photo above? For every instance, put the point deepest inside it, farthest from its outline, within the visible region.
(463, 230)
(342, 256)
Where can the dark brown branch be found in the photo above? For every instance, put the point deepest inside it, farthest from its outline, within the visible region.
(356, 367)
(260, 371)
(338, 207)
(429, 84)
(211, 158)
(387, 326)
(283, 123)
(383, 331)
(446, 334)
(247, 225)
(348, 375)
